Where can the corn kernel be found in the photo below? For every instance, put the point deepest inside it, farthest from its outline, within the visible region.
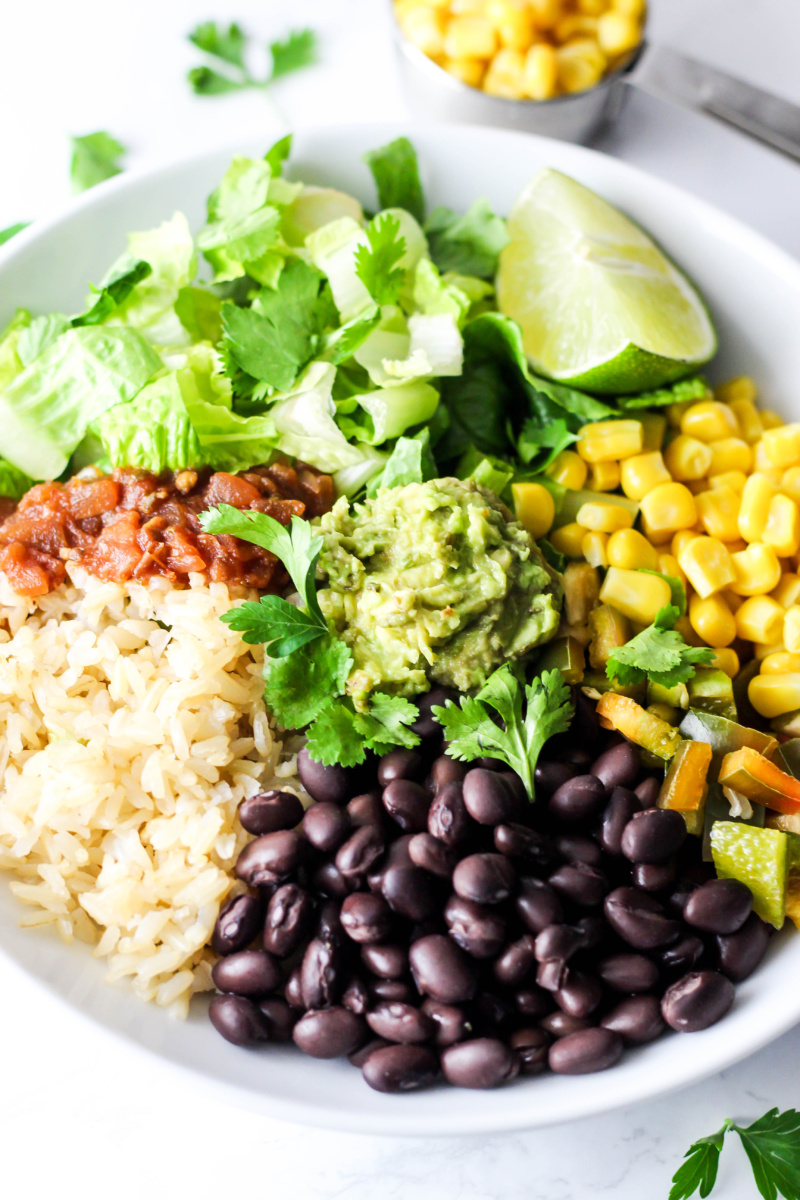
(687, 458)
(604, 518)
(782, 446)
(790, 483)
(696, 486)
(641, 473)
(668, 508)
(604, 477)
(675, 412)
(424, 29)
(575, 25)
(708, 421)
(505, 75)
(730, 597)
(749, 420)
(636, 595)
(782, 530)
(682, 539)
(719, 513)
(462, 8)
(727, 660)
(760, 619)
(757, 496)
(469, 70)
(656, 537)
(731, 479)
(631, 551)
(569, 470)
(707, 565)
(765, 650)
(631, 8)
(780, 662)
(730, 454)
(545, 12)
(757, 570)
(534, 507)
(605, 441)
(581, 64)
(592, 8)
(594, 549)
(764, 465)
(787, 592)
(668, 565)
(791, 629)
(540, 77)
(617, 33)
(771, 420)
(654, 426)
(513, 23)
(734, 391)
(568, 539)
(773, 695)
(712, 620)
(469, 37)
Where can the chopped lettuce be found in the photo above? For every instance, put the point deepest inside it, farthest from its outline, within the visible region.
(386, 413)
(305, 424)
(11, 364)
(153, 432)
(468, 243)
(411, 461)
(395, 170)
(150, 306)
(242, 235)
(13, 482)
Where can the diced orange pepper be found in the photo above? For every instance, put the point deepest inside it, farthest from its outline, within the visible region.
(638, 725)
(684, 788)
(760, 781)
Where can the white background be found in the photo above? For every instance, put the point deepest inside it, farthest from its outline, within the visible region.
(83, 1115)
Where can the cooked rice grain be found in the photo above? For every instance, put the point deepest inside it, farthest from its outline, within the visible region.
(132, 725)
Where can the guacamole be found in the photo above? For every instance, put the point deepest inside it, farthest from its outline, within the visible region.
(433, 582)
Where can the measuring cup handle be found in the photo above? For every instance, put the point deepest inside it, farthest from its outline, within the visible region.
(670, 75)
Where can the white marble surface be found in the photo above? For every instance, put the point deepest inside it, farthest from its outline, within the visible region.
(82, 1115)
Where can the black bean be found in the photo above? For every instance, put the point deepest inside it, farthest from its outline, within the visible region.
(401, 1068)
(336, 784)
(426, 724)
(577, 800)
(580, 883)
(269, 859)
(532, 1046)
(579, 994)
(552, 974)
(676, 900)
(329, 921)
(517, 789)
(330, 1032)
(628, 972)
(518, 841)
(247, 973)
(237, 924)
(486, 762)
(361, 850)
(682, 955)
(407, 804)
(397, 855)
(477, 928)
(537, 905)
(516, 962)
(388, 961)
(595, 934)
(533, 1002)
(410, 891)
(653, 836)
(488, 798)
(719, 906)
(560, 1024)
(648, 791)
(328, 880)
(238, 1020)
(446, 770)
(557, 942)
(448, 818)
(697, 1000)
(367, 809)
(573, 847)
(654, 877)
(293, 991)
(490, 1014)
(366, 917)
(356, 997)
(586, 1051)
(321, 975)
(549, 776)
(449, 1022)
(269, 812)
(618, 767)
(278, 1017)
(637, 1019)
(484, 878)
(358, 1057)
(741, 952)
(400, 764)
(442, 970)
(585, 727)
(480, 1063)
(326, 826)
(289, 914)
(431, 855)
(400, 1023)
(618, 812)
(639, 919)
(393, 991)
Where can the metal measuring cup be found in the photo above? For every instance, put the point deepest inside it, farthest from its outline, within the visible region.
(438, 96)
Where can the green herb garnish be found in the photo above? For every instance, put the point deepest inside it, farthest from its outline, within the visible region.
(772, 1144)
(229, 47)
(7, 233)
(658, 653)
(95, 157)
(377, 263)
(395, 170)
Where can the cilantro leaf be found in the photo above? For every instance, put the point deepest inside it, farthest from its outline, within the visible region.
(343, 343)
(376, 263)
(277, 155)
(387, 723)
(335, 737)
(9, 231)
(473, 732)
(206, 81)
(95, 157)
(658, 653)
(342, 735)
(229, 47)
(678, 598)
(292, 53)
(699, 1171)
(113, 292)
(694, 388)
(275, 623)
(227, 44)
(299, 686)
(544, 442)
(395, 170)
(772, 1144)
(467, 243)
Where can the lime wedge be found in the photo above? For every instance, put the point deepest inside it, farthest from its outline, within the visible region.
(599, 305)
(759, 858)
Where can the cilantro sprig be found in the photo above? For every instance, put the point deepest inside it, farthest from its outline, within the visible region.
(229, 47)
(95, 158)
(772, 1144)
(658, 653)
(377, 262)
(473, 730)
(7, 233)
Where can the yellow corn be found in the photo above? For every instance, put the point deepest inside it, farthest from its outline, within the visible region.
(757, 496)
(470, 37)
(766, 650)
(641, 473)
(540, 77)
(734, 391)
(791, 629)
(668, 508)
(467, 7)
(707, 565)
(727, 660)
(604, 477)
(760, 619)
(757, 570)
(534, 507)
(696, 486)
(513, 23)
(636, 595)
(764, 464)
(581, 64)
(605, 441)
(686, 630)
(630, 551)
(771, 420)
(790, 483)
(780, 662)
(719, 513)
(469, 70)
(749, 420)
(569, 470)
(773, 695)
(782, 445)
(654, 426)
(682, 539)
(505, 75)
(687, 458)
(594, 549)
(424, 29)
(731, 479)
(631, 8)
(668, 565)
(782, 530)
(575, 25)
(733, 601)
(730, 454)
(675, 412)
(592, 8)
(787, 592)
(545, 12)
(708, 421)
(712, 620)
(604, 518)
(617, 33)
(567, 540)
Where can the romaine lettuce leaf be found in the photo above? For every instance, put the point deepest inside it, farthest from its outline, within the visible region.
(40, 334)
(395, 169)
(150, 306)
(153, 432)
(198, 311)
(11, 364)
(468, 243)
(13, 482)
(350, 480)
(242, 235)
(382, 415)
(305, 424)
(411, 461)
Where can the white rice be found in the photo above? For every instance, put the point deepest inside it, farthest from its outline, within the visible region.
(132, 724)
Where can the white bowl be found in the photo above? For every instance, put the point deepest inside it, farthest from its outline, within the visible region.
(753, 290)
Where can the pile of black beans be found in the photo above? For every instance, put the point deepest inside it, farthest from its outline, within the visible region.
(426, 920)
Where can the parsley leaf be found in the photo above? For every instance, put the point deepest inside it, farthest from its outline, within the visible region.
(395, 170)
(297, 50)
(95, 157)
(341, 735)
(229, 47)
(658, 653)
(467, 243)
(302, 684)
(473, 732)
(7, 233)
(772, 1144)
(699, 1171)
(376, 263)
